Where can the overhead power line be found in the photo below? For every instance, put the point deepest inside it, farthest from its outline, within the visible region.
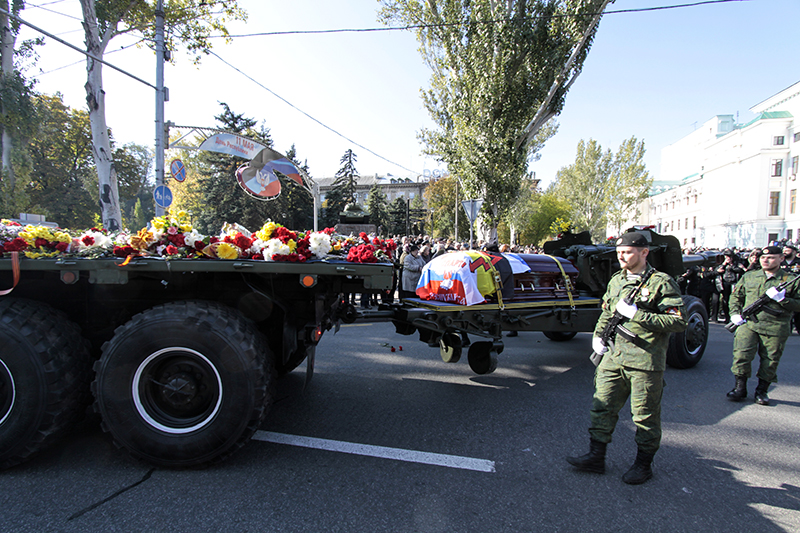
(488, 21)
(284, 100)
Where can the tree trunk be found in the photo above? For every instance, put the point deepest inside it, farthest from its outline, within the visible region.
(101, 143)
(7, 67)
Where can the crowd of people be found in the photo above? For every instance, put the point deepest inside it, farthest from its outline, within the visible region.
(714, 284)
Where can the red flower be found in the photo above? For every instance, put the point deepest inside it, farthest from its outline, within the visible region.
(40, 243)
(212, 240)
(123, 251)
(242, 242)
(62, 246)
(16, 245)
(177, 239)
(171, 250)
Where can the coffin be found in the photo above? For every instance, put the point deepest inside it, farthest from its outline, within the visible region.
(545, 280)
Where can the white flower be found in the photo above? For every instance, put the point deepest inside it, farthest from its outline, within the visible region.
(191, 237)
(275, 246)
(257, 247)
(319, 244)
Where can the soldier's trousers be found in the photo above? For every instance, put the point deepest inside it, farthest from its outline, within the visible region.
(747, 343)
(613, 384)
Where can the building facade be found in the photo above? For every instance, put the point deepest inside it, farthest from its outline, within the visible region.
(728, 184)
(392, 187)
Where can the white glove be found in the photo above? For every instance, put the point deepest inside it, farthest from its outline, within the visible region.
(598, 346)
(738, 320)
(626, 310)
(775, 294)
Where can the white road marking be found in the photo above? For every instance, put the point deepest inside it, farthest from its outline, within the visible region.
(398, 454)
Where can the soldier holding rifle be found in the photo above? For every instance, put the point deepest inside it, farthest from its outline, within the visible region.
(634, 364)
(764, 331)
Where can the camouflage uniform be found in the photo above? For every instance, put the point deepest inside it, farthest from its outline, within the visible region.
(636, 368)
(768, 335)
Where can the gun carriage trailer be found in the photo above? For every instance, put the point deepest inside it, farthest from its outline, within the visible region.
(560, 297)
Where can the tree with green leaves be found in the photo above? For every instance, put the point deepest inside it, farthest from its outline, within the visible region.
(630, 183)
(584, 185)
(63, 165)
(378, 209)
(188, 23)
(440, 195)
(343, 191)
(500, 71)
(397, 216)
(603, 188)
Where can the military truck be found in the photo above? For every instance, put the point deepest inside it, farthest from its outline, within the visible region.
(180, 356)
(560, 297)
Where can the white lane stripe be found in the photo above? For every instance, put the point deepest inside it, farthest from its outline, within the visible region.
(398, 454)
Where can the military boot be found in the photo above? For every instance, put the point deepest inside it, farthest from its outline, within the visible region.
(641, 470)
(761, 392)
(594, 461)
(739, 391)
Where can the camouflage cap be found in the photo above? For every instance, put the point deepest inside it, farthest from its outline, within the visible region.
(632, 238)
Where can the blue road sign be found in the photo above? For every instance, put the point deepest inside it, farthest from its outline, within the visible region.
(178, 170)
(162, 196)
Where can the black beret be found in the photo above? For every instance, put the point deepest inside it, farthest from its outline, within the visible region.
(632, 238)
(773, 250)
(792, 246)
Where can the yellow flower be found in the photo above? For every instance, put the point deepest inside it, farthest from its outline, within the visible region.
(292, 245)
(227, 251)
(141, 240)
(337, 246)
(265, 233)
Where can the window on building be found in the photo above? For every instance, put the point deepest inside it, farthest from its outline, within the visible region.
(686, 223)
(777, 167)
(772, 237)
(797, 136)
(778, 140)
(679, 225)
(792, 201)
(685, 241)
(694, 222)
(788, 235)
(687, 200)
(693, 241)
(795, 164)
(695, 198)
(774, 204)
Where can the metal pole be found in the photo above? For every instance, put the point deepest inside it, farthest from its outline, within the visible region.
(456, 232)
(160, 98)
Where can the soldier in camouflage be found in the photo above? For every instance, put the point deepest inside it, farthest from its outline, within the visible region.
(633, 368)
(767, 333)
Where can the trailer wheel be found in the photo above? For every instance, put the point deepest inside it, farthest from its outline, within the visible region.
(44, 378)
(450, 347)
(686, 348)
(482, 357)
(184, 384)
(560, 336)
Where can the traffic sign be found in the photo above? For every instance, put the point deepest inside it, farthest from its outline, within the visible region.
(163, 196)
(472, 207)
(178, 170)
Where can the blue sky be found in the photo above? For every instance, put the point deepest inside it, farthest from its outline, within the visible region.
(654, 75)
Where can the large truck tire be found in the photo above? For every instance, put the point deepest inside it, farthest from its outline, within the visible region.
(45, 370)
(687, 347)
(184, 383)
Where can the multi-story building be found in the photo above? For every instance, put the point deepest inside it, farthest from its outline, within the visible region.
(393, 187)
(728, 184)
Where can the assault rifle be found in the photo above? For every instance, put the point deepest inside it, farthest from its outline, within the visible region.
(761, 305)
(614, 325)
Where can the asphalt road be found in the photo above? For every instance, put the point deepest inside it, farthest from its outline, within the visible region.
(722, 467)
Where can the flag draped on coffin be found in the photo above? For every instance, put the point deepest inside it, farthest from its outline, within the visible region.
(466, 278)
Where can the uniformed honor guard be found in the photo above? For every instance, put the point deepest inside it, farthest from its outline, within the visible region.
(632, 367)
(767, 332)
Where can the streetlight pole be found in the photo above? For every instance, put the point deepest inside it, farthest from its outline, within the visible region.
(161, 97)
